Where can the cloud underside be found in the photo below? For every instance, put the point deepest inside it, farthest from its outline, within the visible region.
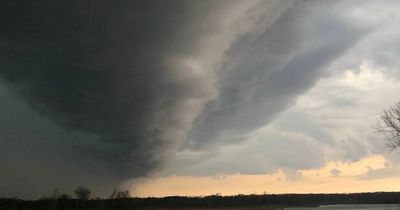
(105, 92)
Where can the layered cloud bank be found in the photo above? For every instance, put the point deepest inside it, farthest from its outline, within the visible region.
(114, 87)
(96, 93)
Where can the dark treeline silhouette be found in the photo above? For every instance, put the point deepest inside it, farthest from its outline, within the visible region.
(213, 201)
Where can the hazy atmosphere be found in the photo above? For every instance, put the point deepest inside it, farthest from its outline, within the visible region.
(197, 97)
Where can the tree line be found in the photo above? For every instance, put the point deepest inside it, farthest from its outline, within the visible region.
(213, 201)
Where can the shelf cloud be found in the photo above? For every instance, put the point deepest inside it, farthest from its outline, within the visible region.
(98, 92)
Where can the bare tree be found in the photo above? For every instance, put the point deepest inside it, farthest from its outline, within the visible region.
(112, 196)
(82, 193)
(55, 198)
(122, 195)
(391, 126)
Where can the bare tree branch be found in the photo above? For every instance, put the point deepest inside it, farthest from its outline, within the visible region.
(391, 126)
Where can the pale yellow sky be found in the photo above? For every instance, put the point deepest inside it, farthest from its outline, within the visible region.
(334, 177)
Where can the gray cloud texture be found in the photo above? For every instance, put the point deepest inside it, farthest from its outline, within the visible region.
(265, 73)
(103, 86)
(101, 68)
(98, 92)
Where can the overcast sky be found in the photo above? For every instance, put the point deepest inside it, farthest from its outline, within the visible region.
(194, 97)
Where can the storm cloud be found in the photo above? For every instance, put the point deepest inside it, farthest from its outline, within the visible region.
(118, 82)
(102, 69)
(99, 92)
(266, 72)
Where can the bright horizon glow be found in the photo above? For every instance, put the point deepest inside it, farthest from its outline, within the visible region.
(352, 178)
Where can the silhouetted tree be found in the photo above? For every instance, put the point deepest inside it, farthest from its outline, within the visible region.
(55, 198)
(122, 194)
(112, 196)
(391, 126)
(208, 202)
(64, 197)
(118, 199)
(82, 193)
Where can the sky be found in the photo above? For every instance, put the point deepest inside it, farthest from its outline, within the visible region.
(197, 97)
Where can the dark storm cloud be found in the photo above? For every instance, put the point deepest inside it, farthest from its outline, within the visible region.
(100, 70)
(104, 92)
(37, 155)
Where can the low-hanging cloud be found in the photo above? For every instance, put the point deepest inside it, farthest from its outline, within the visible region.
(117, 88)
(116, 84)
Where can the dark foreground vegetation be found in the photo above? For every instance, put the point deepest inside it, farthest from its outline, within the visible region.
(265, 201)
